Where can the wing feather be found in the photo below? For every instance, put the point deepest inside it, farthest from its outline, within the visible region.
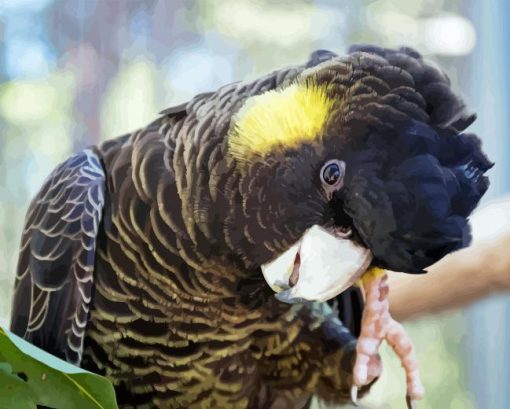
(51, 302)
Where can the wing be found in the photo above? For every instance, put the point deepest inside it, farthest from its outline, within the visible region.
(55, 269)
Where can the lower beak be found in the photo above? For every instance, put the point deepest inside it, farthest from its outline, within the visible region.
(318, 267)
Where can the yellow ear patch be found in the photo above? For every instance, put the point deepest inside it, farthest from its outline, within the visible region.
(286, 117)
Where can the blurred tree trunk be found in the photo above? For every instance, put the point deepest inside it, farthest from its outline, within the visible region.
(91, 36)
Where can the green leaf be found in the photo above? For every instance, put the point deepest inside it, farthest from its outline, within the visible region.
(30, 376)
(14, 392)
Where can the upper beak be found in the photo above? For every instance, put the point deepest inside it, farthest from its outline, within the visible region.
(318, 267)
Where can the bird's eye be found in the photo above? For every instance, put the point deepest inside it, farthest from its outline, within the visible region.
(332, 173)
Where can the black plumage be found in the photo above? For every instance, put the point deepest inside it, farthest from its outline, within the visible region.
(147, 250)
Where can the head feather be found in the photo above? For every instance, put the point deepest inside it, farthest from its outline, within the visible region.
(282, 118)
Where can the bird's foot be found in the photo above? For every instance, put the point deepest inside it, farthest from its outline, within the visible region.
(378, 325)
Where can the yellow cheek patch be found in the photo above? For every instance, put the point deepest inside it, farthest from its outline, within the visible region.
(286, 117)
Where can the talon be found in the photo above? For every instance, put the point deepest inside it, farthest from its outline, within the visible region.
(354, 395)
(411, 403)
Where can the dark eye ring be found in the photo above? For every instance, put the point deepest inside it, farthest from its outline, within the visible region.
(332, 173)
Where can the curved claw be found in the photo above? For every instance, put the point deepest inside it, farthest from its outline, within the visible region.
(354, 395)
(411, 403)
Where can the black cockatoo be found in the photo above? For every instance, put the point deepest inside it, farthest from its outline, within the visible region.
(154, 258)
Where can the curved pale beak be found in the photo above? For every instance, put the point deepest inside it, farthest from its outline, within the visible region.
(318, 267)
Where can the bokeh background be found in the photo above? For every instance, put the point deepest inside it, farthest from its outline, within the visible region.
(77, 72)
